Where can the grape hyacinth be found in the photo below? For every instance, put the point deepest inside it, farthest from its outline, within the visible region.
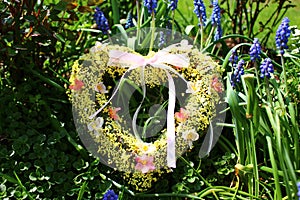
(129, 21)
(173, 4)
(101, 21)
(110, 195)
(233, 58)
(266, 68)
(218, 33)
(282, 35)
(216, 20)
(238, 72)
(255, 50)
(161, 39)
(150, 5)
(216, 14)
(200, 11)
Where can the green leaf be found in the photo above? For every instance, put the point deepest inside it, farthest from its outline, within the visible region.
(32, 176)
(82, 190)
(9, 178)
(189, 28)
(192, 179)
(122, 31)
(190, 172)
(62, 5)
(115, 11)
(40, 189)
(2, 190)
(59, 37)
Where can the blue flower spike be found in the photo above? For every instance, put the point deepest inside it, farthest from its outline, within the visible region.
(266, 68)
(161, 39)
(282, 35)
(233, 58)
(216, 14)
(238, 72)
(129, 21)
(173, 4)
(216, 20)
(150, 5)
(110, 195)
(255, 50)
(101, 21)
(218, 33)
(200, 11)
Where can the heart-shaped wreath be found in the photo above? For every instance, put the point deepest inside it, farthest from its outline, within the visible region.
(139, 113)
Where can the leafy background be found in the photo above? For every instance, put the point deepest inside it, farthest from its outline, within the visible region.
(41, 154)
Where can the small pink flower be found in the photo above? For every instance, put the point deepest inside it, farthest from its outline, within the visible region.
(78, 84)
(181, 116)
(113, 113)
(144, 163)
(217, 85)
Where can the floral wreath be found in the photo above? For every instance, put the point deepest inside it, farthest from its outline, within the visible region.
(104, 128)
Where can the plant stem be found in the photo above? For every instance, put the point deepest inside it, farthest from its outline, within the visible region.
(201, 43)
(109, 38)
(196, 37)
(138, 32)
(278, 195)
(257, 78)
(201, 177)
(22, 186)
(152, 32)
(210, 35)
(284, 75)
(254, 160)
(249, 159)
(172, 33)
(268, 91)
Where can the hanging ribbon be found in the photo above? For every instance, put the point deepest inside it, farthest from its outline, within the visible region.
(162, 60)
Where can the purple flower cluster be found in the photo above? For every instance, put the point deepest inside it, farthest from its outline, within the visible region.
(255, 50)
(200, 11)
(161, 39)
(216, 14)
(173, 4)
(218, 33)
(233, 58)
(101, 21)
(110, 195)
(129, 21)
(150, 5)
(238, 72)
(216, 20)
(282, 35)
(266, 68)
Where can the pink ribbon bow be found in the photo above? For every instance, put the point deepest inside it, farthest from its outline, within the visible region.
(162, 60)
